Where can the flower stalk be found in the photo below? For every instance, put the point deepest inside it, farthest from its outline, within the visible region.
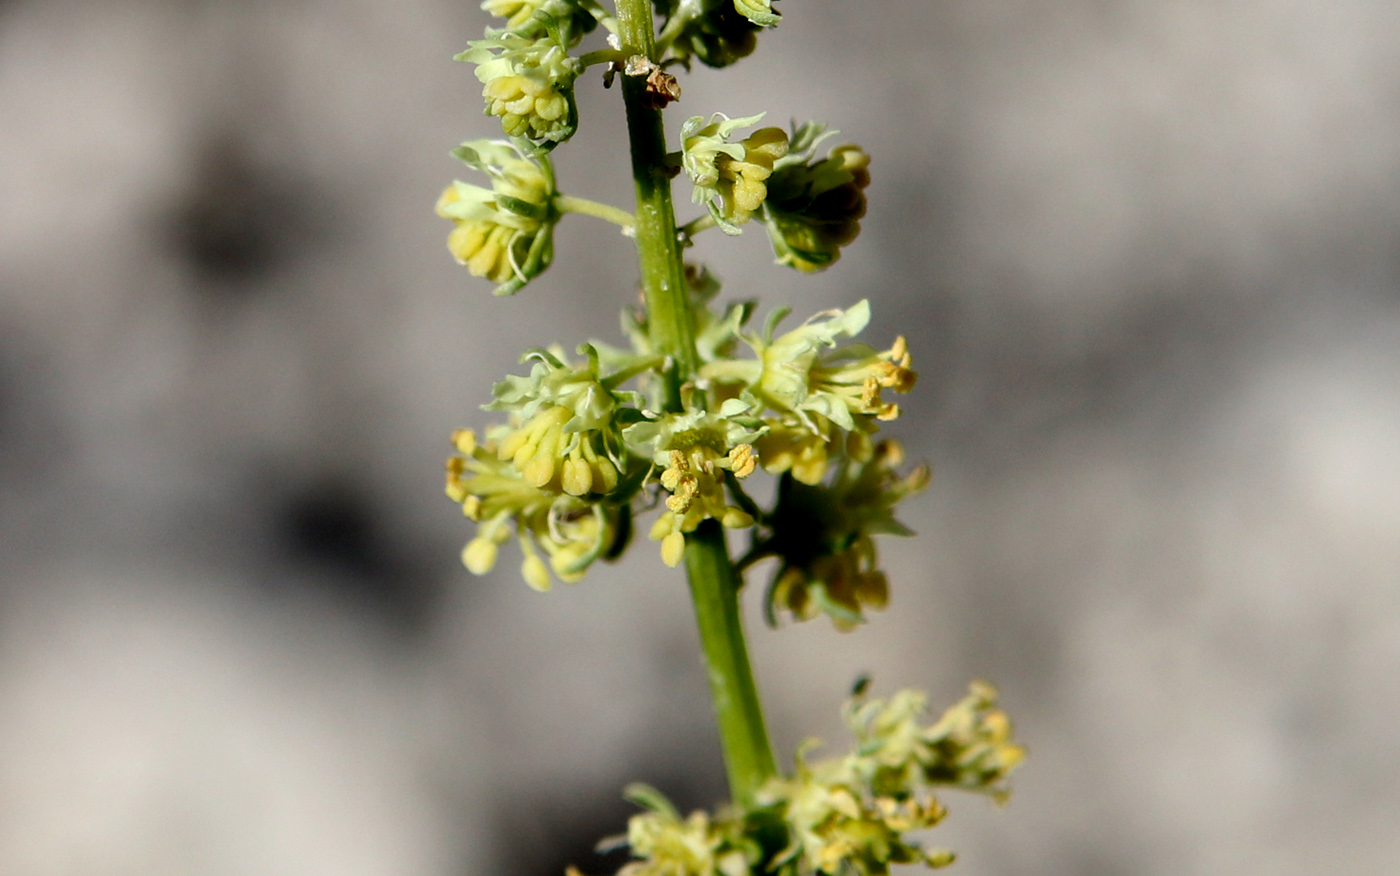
(714, 584)
(606, 212)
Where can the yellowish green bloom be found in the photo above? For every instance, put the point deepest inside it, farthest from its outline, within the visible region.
(567, 436)
(505, 233)
(852, 815)
(529, 83)
(729, 178)
(695, 450)
(531, 18)
(760, 12)
(571, 532)
(970, 747)
(818, 387)
(824, 534)
(792, 446)
(814, 206)
(671, 846)
(838, 826)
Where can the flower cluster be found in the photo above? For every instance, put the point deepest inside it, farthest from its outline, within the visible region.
(677, 424)
(531, 18)
(558, 472)
(668, 845)
(845, 816)
(815, 206)
(698, 450)
(573, 533)
(730, 177)
(717, 32)
(969, 747)
(817, 388)
(824, 538)
(805, 408)
(504, 233)
(528, 81)
(567, 437)
(811, 208)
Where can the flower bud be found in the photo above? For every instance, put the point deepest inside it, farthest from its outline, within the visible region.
(730, 178)
(529, 84)
(531, 18)
(479, 556)
(814, 207)
(719, 32)
(760, 12)
(534, 571)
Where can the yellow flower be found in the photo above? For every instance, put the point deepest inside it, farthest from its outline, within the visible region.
(695, 478)
(565, 438)
(527, 80)
(730, 177)
(552, 460)
(504, 233)
(571, 532)
(815, 207)
(817, 387)
(807, 374)
(824, 537)
(530, 104)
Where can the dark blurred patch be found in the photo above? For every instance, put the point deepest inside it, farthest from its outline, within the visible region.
(541, 836)
(333, 528)
(29, 433)
(239, 220)
(9, 402)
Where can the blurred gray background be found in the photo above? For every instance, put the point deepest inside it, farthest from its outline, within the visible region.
(1148, 258)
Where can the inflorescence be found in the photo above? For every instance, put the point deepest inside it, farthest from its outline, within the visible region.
(843, 816)
(585, 446)
(580, 455)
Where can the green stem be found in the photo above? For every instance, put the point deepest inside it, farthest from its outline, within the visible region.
(570, 204)
(658, 249)
(714, 589)
(602, 56)
(697, 225)
(714, 585)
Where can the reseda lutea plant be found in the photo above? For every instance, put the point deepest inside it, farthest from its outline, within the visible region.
(675, 422)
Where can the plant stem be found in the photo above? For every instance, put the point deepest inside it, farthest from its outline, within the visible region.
(658, 249)
(697, 225)
(607, 212)
(714, 585)
(714, 589)
(602, 56)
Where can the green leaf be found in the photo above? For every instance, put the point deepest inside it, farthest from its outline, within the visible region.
(647, 797)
